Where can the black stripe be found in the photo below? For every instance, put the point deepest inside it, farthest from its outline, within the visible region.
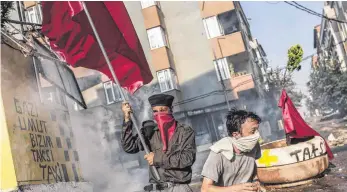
(66, 176)
(75, 172)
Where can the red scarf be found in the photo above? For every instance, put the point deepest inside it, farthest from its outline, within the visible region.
(167, 125)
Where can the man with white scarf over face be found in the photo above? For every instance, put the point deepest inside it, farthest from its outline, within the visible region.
(231, 166)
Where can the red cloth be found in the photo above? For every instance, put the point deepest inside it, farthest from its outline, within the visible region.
(294, 125)
(166, 125)
(66, 26)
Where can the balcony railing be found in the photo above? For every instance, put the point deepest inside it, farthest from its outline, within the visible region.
(241, 81)
(228, 45)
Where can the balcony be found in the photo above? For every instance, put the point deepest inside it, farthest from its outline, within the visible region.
(228, 45)
(152, 17)
(212, 8)
(241, 82)
(160, 58)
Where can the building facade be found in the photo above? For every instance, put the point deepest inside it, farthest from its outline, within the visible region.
(330, 37)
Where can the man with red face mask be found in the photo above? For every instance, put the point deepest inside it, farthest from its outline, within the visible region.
(172, 145)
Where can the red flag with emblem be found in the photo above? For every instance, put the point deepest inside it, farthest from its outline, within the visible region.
(294, 124)
(70, 35)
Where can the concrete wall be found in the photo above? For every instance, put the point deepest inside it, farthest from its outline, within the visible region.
(134, 11)
(191, 51)
(37, 143)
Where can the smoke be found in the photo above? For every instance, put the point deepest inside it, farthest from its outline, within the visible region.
(103, 161)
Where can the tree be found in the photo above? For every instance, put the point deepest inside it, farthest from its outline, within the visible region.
(6, 7)
(295, 54)
(328, 89)
(277, 83)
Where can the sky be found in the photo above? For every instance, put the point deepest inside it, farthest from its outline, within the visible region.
(278, 26)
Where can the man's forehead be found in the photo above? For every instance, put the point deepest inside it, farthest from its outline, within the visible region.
(160, 107)
(251, 121)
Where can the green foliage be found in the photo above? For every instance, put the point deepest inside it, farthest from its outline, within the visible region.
(6, 7)
(295, 54)
(328, 89)
(276, 83)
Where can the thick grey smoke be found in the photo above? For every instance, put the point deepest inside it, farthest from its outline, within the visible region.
(99, 145)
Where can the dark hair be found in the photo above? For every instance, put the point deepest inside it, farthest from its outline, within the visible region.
(235, 118)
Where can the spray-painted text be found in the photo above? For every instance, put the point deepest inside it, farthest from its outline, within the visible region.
(308, 152)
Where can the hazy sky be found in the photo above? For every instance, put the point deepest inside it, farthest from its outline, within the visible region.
(278, 26)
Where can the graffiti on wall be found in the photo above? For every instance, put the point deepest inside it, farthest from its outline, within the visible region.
(43, 145)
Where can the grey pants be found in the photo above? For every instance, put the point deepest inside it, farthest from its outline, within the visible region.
(178, 188)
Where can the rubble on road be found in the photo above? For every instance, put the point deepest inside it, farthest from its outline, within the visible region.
(338, 138)
(340, 141)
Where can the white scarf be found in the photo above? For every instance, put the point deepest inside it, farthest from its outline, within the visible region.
(244, 144)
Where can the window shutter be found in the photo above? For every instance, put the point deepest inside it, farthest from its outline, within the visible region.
(110, 98)
(164, 84)
(166, 80)
(162, 37)
(151, 38)
(225, 68)
(38, 13)
(222, 64)
(174, 79)
(116, 91)
(156, 37)
(212, 27)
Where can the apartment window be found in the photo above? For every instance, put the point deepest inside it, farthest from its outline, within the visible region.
(229, 22)
(33, 14)
(167, 80)
(145, 4)
(112, 92)
(224, 68)
(212, 27)
(156, 37)
(222, 24)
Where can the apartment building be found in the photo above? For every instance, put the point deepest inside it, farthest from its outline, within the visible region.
(192, 48)
(197, 52)
(330, 36)
(201, 44)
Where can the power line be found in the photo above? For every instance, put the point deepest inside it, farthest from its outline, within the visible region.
(310, 11)
(334, 45)
(213, 93)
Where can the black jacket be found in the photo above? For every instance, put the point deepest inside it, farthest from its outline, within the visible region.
(173, 165)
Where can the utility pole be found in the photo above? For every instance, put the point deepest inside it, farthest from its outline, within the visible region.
(220, 75)
(222, 82)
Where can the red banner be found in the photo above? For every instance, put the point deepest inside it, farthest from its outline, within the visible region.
(66, 26)
(294, 124)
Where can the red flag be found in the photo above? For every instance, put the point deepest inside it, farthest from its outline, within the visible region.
(66, 26)
(294, 124)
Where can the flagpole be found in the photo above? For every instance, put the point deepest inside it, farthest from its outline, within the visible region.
(123, 96)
